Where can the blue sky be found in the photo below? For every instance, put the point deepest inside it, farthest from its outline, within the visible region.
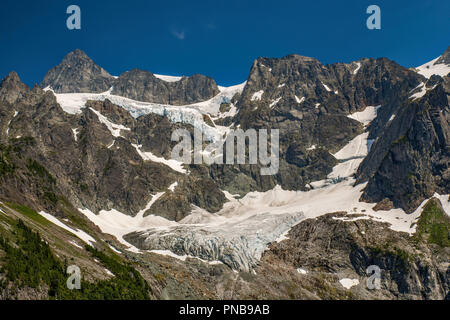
(216, 38)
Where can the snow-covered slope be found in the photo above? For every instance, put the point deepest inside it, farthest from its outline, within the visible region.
(168, 78)
(190, 114)
(430, 68)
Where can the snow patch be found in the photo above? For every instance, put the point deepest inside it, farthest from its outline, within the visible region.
(274, 102)
(76, 244)
(109, 272)
(168, 78)
(257, 95)
(75, 133)
(79, 233)
(358, 66)
(430, 68)
(118, 224)
(302, 271)
(112, 127)
(299, 100)
(348, 283)
(114, 249)
(365, 116)
(173, 164)
(173, 186)
(326, 87)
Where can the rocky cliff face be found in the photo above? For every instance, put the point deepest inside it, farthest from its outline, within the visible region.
(144, 86)
(409, 161)
(444, 58)
(343, 248)
(91, 167)
(309, 103)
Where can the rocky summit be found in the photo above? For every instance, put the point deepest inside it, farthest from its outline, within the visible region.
(363, 182)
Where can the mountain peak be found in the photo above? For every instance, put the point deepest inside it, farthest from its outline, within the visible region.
(77, 54)
(12, 88)
(77, 73)
(444, 58)
(12, 76)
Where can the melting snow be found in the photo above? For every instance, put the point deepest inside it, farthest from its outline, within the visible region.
(75, 133)
(192, 114)
(173, 186)
(76, 244)
(358, 66)
(274, 102)
(173, 164)
(430, 68)
(419, 94)
(79, 233)
(118, 224)
(365, 116)
(114, 249)
(112, 127)
(299, 100)
(348, 283)
(257, 95)
(326, 87)
(302, 271)
(168, 78)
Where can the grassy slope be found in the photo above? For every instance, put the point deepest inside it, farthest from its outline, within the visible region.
(29, 262)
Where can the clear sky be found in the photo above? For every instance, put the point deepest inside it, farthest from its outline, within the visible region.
(214, 37)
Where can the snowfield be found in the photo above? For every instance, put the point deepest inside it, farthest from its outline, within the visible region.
(192, 114)
(430, 68)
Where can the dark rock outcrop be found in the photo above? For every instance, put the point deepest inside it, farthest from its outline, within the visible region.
(410, 160)
(12, 89)
(144, 86)
(78, 73)
(410, 268)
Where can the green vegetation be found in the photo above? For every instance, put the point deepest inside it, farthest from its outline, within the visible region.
(38, 170)
(29, 262)
(434, 224)
(46, 181)
(6, 165)
(400, 258)
(28, 212)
